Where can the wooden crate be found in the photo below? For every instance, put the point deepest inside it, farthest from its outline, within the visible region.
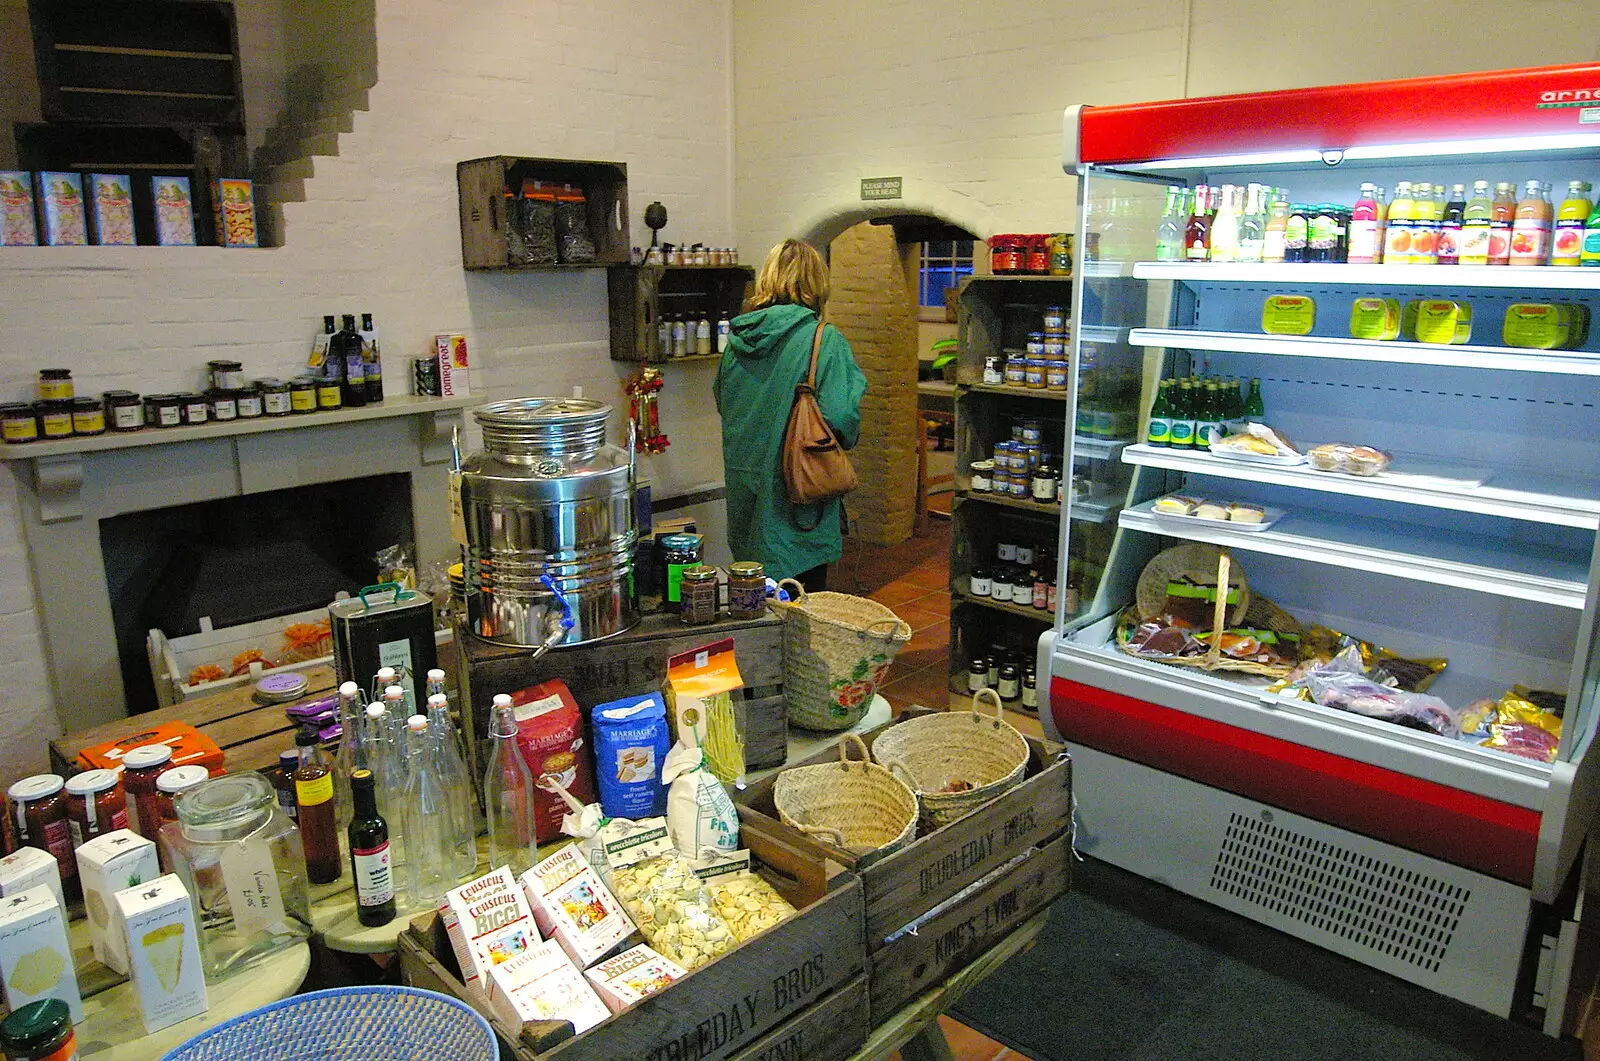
(481, 184)
(904, 886)
(640, 294)
(635, 662)
(796, 991)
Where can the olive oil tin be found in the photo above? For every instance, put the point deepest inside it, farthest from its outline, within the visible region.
(384, 626)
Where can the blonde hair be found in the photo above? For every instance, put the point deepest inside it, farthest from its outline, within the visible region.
(793, 274)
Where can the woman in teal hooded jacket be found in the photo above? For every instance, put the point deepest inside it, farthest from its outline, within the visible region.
(769, 352)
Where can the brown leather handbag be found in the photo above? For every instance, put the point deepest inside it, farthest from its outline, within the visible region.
(815, 467)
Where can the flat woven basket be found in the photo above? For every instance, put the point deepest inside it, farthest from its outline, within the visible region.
(836, 650)
(858, 806)
(1270, 615)
(978, 755)
(350, 1024)
(1194, 563)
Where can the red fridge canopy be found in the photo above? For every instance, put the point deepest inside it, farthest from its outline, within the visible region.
(1537, 101)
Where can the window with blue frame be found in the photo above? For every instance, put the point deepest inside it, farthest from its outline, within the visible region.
(944, 263)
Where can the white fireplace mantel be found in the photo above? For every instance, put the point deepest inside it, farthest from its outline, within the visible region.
(67, 487)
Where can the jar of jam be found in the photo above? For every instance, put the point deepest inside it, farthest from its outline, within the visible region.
(248, 401)
(1035, 344)
(1002, 256)
(196, 410)
(1016, 372)
(39, 1031)
(124, 410)
(1055, 375)
(39, 809)
(1055, 321)
(96, 803)
(226, 375)
(329, 396)
(747, 590)
(55, 417)
(303, 394)
(981, 477)
(88, 417)
(275, 397)
(170, 784)
(1038, 255)
(698, 595)
(55, 385)
(141, 767)
(1033, 373)
(224, 405)
(18, 423)
(163, 410)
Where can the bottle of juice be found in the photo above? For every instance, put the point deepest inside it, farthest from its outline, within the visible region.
(1397, 240)
(1474, 249)
(1425, 222)
(1225, 226)
(1567, 246)
(1502, 214)
(1450, 227)
(1277, 222)
(1530, 232)
(1591, 238)
(1169, 234)
(1364, 248)
(1253, 224)
(1197, 233)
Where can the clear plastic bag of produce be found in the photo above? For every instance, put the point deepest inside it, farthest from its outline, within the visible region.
(1337, 686)
(672, 908)
(573, 240)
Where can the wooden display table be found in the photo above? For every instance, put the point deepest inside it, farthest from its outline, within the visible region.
(250, 734)
(112, 1029)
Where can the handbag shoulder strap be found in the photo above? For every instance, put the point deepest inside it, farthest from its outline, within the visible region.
(816, 347)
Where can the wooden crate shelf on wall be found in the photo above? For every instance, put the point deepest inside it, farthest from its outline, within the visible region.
(482, 183)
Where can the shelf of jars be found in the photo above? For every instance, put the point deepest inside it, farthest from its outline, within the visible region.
(1026, 611)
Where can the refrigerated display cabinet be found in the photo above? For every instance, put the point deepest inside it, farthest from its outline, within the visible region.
(1442, 861)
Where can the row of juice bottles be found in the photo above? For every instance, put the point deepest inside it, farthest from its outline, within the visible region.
(1422, 225)
(1193, 412)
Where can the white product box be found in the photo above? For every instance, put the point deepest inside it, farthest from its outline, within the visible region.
(632, 975)
(106, 865)
(450, 351)
(35, 958)
(163, 951)
(489, 923)
(541, 984)
(28, 867)
(574, 908)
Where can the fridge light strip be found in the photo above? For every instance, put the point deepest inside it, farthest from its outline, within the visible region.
(1333, 156)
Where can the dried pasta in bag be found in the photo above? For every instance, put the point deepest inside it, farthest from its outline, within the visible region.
(740, 897)
(672, 909)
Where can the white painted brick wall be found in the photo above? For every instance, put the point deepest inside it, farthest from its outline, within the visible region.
(964, 98)
(603, 79)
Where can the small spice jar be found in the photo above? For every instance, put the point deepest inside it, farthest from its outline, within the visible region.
(747, 590)
(163, 410)
(698, 592)
(196, 410)
(55, 385)
(247, 400)
(979, 583)
(1043, 484)
(39, 813)
(276, 399)
(1055, 321)
(96, 803)
(982, 476)
(226, 375)
(55, 417)
(224, 405)
(18, 422)
(141, 767)
(124, 410)
(39, 1031)
(169, 786)
(303, 394)
(88, 417)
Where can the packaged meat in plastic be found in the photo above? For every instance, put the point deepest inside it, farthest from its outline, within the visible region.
(1338, 688)
(1524, 739)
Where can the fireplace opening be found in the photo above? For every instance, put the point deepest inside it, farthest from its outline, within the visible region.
(243, 559)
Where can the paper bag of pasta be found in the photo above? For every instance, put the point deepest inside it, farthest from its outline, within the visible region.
(701, 686)
(700, 816)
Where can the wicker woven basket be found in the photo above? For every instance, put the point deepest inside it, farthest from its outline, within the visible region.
(858, 806)
(978, 755)
(1272, 616)
(836, 650)
(349, 1022)
(1192, 562)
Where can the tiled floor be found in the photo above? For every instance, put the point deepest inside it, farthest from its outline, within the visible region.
(914, 580)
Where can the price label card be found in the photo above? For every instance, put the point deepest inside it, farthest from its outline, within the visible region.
(252, 884)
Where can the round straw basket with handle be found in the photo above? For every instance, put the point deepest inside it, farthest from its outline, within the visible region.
(836, 651)
(1270, 616)
(956, 760)
(855, 805)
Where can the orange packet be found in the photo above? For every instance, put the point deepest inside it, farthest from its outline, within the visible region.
(190, 747)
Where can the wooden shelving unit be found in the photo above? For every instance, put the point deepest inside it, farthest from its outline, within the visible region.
(482, 182)
(640, 294)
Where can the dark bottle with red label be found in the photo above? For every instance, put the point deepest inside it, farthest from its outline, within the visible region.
(369, 854)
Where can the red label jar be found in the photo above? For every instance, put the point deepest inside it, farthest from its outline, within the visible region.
(141, 767)
(96, 803)
(39, 809)
(1038, 254)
